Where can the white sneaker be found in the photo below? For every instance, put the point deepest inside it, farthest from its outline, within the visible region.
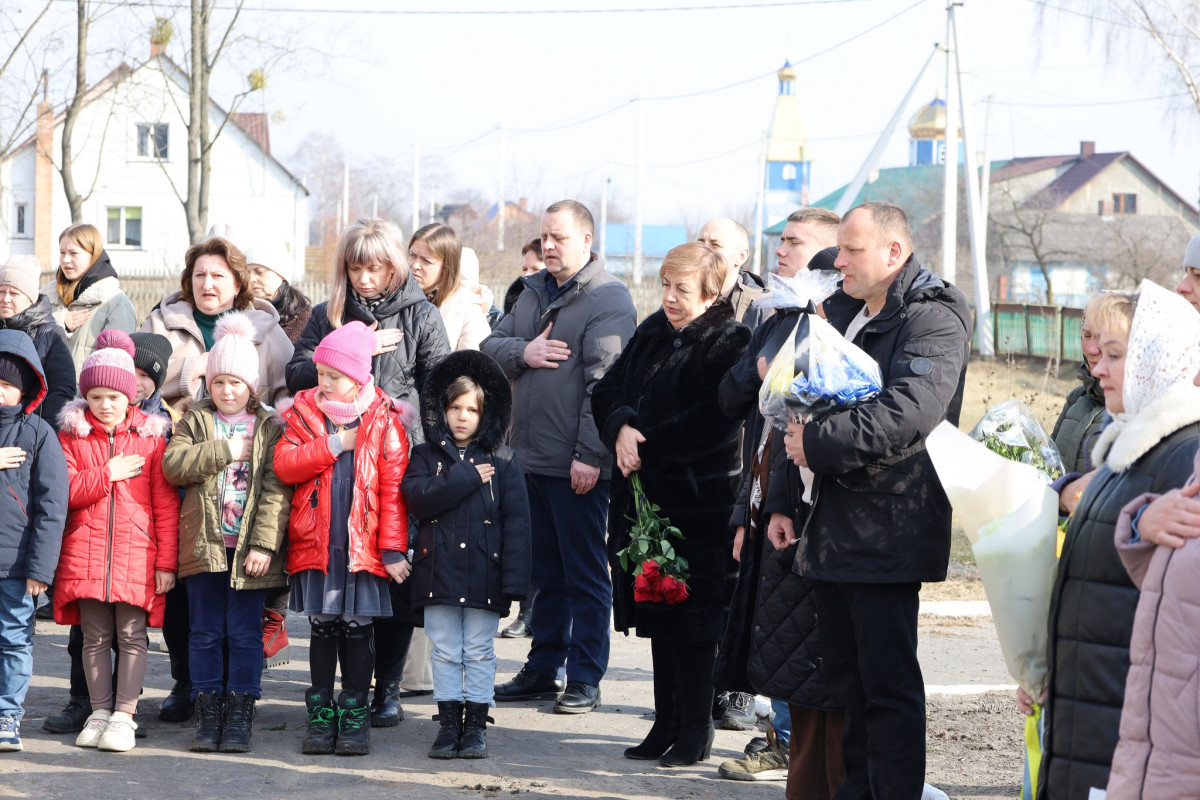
(10, 734)
(119, 736)
(93, 729)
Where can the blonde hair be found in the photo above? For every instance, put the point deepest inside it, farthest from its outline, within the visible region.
(696, 257)
(369, 240)
(88, 238)
(1111, 312)
(445, 244)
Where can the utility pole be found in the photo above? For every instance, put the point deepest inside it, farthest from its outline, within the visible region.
(501, 208)
(759, 209)
(950, 160)
(602, 235)
(416, 189)
(638, 193)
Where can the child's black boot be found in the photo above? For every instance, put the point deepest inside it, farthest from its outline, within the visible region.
(386, 711)
(239, 716)
(354, 724)
(474, 736)
(209, 708)
(450, 714)
(322, 722)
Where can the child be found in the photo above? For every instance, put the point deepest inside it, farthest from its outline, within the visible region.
(33, 509)
(472, 549)
(344, 448)
(231, 535)
(120, 547)
(152, 351)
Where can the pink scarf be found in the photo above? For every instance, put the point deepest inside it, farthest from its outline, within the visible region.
(346, 413)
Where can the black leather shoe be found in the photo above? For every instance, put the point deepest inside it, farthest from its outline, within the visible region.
(579, 698)
(71, 719)
(528, 685)
(177, 707)
(519, 629)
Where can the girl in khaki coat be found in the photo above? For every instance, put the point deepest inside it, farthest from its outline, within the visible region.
(233, 525)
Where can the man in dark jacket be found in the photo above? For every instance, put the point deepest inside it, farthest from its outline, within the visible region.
(741, 288)
(879, 522)
(566, 329)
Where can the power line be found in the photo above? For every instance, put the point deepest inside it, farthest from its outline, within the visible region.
(1094, 104)
(488, 12)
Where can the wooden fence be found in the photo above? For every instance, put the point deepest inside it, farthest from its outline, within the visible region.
(1048, 332)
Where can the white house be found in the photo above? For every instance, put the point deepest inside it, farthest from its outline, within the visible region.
(130, 143)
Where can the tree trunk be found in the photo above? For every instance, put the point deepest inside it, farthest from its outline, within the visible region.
(197, 117)
(74, 199)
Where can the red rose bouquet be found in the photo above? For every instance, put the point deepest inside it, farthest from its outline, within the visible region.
(659, 573)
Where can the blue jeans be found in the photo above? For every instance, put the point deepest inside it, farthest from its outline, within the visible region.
(16, 645)
(464, 661)
(220, 614)
(782, 722)
(572, 610)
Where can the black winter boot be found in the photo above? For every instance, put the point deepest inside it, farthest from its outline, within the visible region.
(354, 724)
(473, 743)
(239, 716)
(665, 729)
(322, 722)
(209, 711)
(386, 711)
(693, 670)
(177, 707)
(450, 714)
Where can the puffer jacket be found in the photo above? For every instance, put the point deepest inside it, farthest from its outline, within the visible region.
(118, 533)
(197, 460)
(1093, 604)
(472, 548)
(184, 383)
(552, 410)
(1156, 758)
(33, 496)
(99, 292)
(50, 342)
(464, 313)
(879, 514)
(1083, 416)
(400, 373)
(378, 516)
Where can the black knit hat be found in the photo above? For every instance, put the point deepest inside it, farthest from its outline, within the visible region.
(823, 259)
(153, 353)
(16, 371)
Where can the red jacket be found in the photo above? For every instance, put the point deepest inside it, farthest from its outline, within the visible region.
(118, 534)
(378, 517)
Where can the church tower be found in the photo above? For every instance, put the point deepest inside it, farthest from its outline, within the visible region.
(788, 162)
(927, 136)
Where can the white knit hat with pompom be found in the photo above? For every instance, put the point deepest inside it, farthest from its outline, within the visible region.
(233, 352)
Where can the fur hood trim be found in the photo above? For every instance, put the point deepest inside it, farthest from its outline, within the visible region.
(497, 406)
(73, 420)
(1125, 440)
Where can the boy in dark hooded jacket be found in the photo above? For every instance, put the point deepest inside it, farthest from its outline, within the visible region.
(33, 513)
(472, 549)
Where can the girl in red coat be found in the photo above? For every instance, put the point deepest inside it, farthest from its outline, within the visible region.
(345, 449)
(119, 552)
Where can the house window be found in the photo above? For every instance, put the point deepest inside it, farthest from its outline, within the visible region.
(1124, 203)
(152, 140)
(125, 226)
(21, 226)
(789, 172)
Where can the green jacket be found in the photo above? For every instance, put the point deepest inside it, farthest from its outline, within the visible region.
(195, 459)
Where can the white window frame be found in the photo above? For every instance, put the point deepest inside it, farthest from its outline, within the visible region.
(137, 135)
(118, 242)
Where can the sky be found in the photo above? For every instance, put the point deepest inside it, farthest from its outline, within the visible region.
(446, 82)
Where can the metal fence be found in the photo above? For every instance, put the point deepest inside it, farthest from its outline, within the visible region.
(1037, 331)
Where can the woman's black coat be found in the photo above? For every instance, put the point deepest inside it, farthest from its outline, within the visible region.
(472, 546)
(50, 342)
(400, 373)
(664, 384)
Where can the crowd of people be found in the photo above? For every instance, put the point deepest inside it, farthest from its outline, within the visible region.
(402, 462)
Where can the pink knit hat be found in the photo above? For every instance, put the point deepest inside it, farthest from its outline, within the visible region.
(110, 366)
(348, 349)
(233, 352)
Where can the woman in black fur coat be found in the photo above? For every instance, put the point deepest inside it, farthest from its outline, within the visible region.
(657, 410)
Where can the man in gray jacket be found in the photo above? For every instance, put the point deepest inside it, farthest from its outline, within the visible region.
(561, 337)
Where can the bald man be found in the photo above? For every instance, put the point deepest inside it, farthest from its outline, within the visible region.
(731, 241)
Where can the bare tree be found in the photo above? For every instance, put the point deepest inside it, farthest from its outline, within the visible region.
(1141, 248)
(1030, 228)
(21, 76)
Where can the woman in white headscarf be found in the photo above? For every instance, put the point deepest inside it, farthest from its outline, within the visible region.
(1149, 354)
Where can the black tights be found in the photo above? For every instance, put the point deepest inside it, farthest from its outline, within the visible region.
(349, 642)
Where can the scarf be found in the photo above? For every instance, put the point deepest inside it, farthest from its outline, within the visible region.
(345, 413)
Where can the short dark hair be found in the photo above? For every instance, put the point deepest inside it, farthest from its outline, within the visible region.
(578, 212)
(534, 246)
(460, 386)
(890, 220)
(822, 217)
(216, 246)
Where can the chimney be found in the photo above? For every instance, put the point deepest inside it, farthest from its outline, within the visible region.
(1087, 149)
(43, 181)
(156, 49)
